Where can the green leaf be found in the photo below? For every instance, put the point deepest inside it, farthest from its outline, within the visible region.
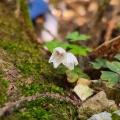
(82, 37)
(112, 78)
(82, 51)
(99, 63)
(80, 72)
(53, 44)
(117, 56)
(117, 64)
(78, 51)
(113, 67)
(61, 69)
(65, 45)
(88, 49)
(77, 70)
(74, 51)
(96, 65)
(73, 46)
(75, 36)
(83, 75)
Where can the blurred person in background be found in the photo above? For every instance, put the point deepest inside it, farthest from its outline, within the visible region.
(45, 23)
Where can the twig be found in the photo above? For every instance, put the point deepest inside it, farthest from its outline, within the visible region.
(107, 50)
(10, 105)
(105, 44)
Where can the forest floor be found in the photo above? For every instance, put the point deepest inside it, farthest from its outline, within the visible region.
(30, 89)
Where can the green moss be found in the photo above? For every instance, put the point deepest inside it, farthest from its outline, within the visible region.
(3, 90)
(25, 11)
(114, 115)
(45, 109)
(85, 113)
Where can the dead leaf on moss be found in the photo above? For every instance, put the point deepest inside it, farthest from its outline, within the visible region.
(83, 91)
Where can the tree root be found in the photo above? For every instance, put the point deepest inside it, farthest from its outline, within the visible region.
(10, 105)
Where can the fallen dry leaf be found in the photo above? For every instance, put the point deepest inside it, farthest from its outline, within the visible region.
(83, 81)
(83, 91)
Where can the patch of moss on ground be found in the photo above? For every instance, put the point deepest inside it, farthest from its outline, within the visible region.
(44, 109)
(114, 115)
(30, 61)
(3, 90)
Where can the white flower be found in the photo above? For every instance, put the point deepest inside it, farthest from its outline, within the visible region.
(57, 56)
(70, 61)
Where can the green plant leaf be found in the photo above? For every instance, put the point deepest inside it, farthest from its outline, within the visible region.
(83, 37)
(88, 49)
(65, 45)
(80, 73)
(111, 77)
(113, 66)
(83, 75)
(53, 44)
(117, 64)
(82, 51)
(96, 65)
(99, 63)
(77, 70)
(61, 69)
(78, 51)
(73, 46)
(75, 36)
(74, 51)
(117, 56)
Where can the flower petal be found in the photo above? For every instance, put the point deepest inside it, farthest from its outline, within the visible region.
(69, 61)
(56, 64)
(60, 50)
(57, 56)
